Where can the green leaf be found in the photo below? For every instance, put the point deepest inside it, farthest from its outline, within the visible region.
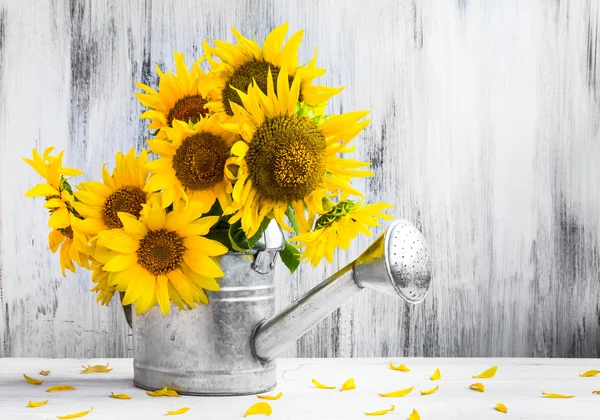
(239, 241)
(263, 226)
(290, 256)
(293, 221)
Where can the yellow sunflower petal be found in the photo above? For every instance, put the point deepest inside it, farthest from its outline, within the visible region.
(380, 412)
(414, 415)
(554, 395)
(120, 396)
(75, 415)
(44, 372)
(165, 392)
(32, 380)
(589, 373)
(348, 385)
(430, 391)
(436, 375)
(487, 374)
(399, 393)
(132, 225)
(259, 408)
(42, 190)
(36, 403)
(321, 386)
(478, 386)
(95, 369)
(61, 388)
(501, 408)
(176, 412)
(60, 219)
(400, 367)
(270, 397)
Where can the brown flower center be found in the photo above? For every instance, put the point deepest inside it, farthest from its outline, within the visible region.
(243, 77)
(126, 199)
(160, 251)
(286, 159)
(200, 161)
(66, 232)
(188, 108)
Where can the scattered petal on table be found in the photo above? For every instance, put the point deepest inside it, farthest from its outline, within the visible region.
(320, 385)
(95, 369)
(589, 373)
(180, 411)
(596, 392)
(400, 367)
(414, 415)
(259, 408)
(553, 395)
(429, 391)
(478, 386)
(165, 392)
(75, 415)
(61, 388)
(44, 372)
(436, 375)
(487, 374)
(348, 385)
(32, 381)
(380, 412)
(36, 403)
(270, 397)
(501, 408)
(120, 396)
(399, 393)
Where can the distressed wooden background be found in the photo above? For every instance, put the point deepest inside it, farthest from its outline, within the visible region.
(485, 119)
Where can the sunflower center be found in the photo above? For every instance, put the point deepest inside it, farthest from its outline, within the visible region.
(66, 232)
(243, 77)
(286, 158)
(200, 161)
(126, 199)
(188, 108)
(160, 251)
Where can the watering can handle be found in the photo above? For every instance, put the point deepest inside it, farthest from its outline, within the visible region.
(273, 242)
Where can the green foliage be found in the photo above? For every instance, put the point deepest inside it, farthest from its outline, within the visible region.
(238, 239)
(290, 256)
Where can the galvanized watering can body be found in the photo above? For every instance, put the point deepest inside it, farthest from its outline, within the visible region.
(229, 346)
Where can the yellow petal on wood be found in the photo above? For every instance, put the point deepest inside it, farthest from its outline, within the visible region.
(596, 392)
(270, 397)
(429, 391)
(553, 395)
(348, 385)
(487, 374)
(414, 415)
(380, 412)
(478, 386)
(120, 396)
(501, 408)
(95, 369)
(36, 403)
(180, 411)
(401, 367)
(165, 392)
(399, 393)
(320, 385)
(61, 388)
(589, 373)
(75, 415)
(436, 375)
(259, 408)
(44, 372)
(32, 381)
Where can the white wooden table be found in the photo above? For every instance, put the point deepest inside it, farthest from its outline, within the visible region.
(518, 384)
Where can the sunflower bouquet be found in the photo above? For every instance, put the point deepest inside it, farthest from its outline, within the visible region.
(232, 149)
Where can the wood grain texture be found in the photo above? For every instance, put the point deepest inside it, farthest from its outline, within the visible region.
(484, 133)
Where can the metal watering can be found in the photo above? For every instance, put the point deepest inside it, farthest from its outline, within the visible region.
(229, 346)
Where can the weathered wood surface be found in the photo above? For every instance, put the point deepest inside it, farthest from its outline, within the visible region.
(484, 133)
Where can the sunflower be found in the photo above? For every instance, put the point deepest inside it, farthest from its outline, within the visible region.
(181, 96)
(338, 228)
(191, 166)
(287, 159)
(102, 288)
(123, 191)
(60, 202)
(242, 63)
(162, 257)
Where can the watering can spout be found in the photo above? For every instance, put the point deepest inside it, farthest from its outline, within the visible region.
(397, 263)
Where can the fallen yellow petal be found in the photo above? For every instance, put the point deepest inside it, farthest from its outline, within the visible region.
(430, 391)
(120, 396)
(596, 392)
(165, 392)
(487, 374)
(553, 395)
(320, 385)
(414, 415)
(32, 381)
(400, 367)
(75, 415)
(589, 373)
(436, 375)
(399, 393)
(477, 387)
(380, 412)
(501, 408)
(36, 404)
(180, 411)
(270, 397)
(259, 408)
(61, 388)
(95, 369)
(44, 372)
(348, 385)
